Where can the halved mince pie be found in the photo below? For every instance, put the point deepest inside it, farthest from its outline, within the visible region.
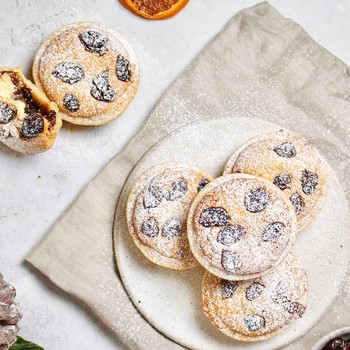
(29, 121)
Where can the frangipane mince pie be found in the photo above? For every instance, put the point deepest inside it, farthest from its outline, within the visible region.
(241, 226)
(257, 309)
(89, 70)
(292, 164)
(157, 211)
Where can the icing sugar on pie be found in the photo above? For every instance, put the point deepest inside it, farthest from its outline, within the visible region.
(241, 226)
(292, 164)
(157, 210)
(257, 309)
(89, 70)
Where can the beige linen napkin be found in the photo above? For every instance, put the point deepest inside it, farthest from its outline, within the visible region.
(261, 65)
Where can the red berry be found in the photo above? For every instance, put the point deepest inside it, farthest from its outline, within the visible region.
(338, 344)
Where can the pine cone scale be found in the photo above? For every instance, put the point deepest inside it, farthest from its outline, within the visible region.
(10, 315)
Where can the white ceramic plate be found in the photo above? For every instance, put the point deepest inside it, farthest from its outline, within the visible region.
(171, 300)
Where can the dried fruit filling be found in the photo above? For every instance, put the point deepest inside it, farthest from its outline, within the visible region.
(33, 125)
(101, 89)
(254, 291)
(286, 150)
(153, 197)
(23, 93)
(122, 69)
(231, 234)
(202, 184)
(214, 216)
(297, 202)
(150, 227)
(94, 41)
(309, 181)
(71, 102)
(254, 322)
(282, 181)
(228, 288)
(280, 297)
(230, 261)
(69, 72)
(178, 189)
(273, 231)
(257, 200)
(33, 121)
(340, 343)
(7, 113)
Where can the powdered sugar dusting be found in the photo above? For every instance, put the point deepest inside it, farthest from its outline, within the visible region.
(251, 254)
(210, 151)
(292, 164)
(110, 72)
(157, 212)
(253, 311)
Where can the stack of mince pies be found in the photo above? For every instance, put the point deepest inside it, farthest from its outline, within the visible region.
(241, 227)
(84, 73)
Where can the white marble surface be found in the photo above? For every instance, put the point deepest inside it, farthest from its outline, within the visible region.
(35, 190)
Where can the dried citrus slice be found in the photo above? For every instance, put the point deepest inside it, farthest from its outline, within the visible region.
(155, 9)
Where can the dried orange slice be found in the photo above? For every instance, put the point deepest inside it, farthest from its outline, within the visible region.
(155, 9)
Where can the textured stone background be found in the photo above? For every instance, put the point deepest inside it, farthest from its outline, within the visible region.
(35, 190)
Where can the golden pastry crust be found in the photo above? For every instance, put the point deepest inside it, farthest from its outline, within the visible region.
(29, 121)
(241, 226)
(66, 66)
(292, 163)
(257, 309)
(157, 210)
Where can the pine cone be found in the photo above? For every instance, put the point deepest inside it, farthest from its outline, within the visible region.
(9, 315)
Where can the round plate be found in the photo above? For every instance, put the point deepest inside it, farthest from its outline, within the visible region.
(171, 300)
